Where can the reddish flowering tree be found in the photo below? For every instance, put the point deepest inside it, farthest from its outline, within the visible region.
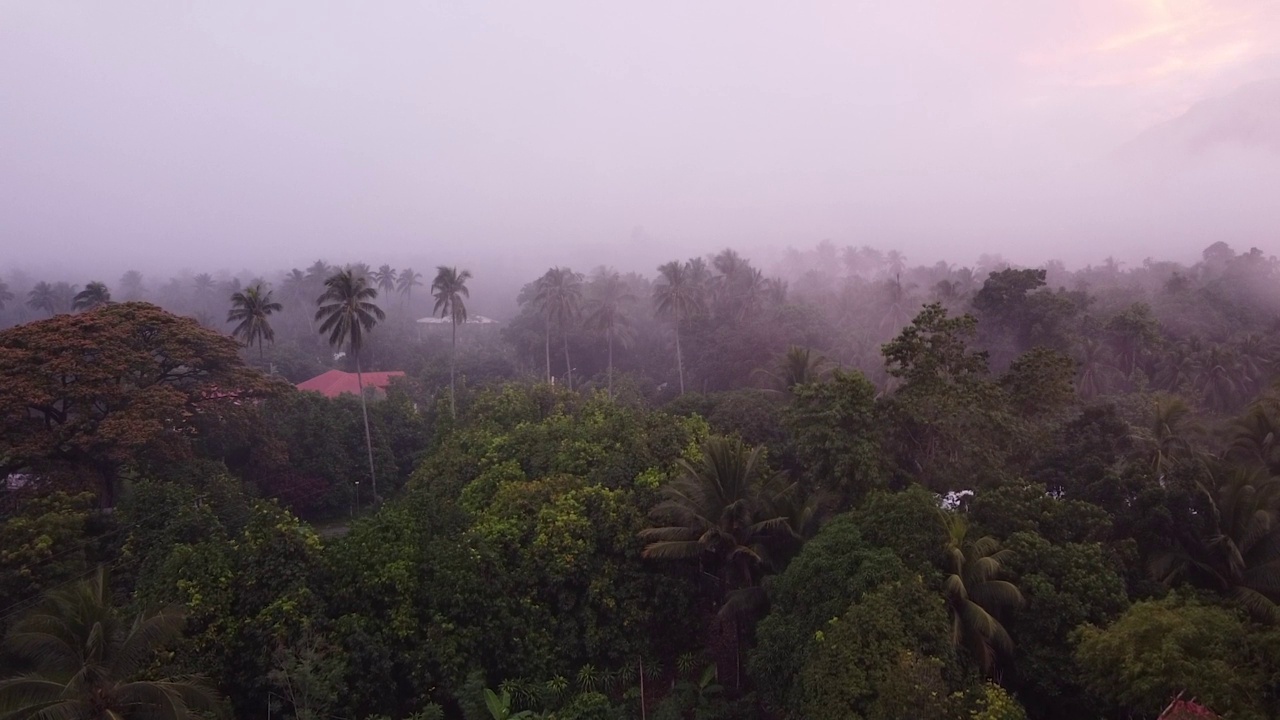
(123, 383)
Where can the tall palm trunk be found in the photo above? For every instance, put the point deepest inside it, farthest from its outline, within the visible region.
(368, 439)
(679, 358)
(610, 335)
(547, 348)
(568, 367)
(453, 361)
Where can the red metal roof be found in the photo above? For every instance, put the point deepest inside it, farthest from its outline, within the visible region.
(335, 382)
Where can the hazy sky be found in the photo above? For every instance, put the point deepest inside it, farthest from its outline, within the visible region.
(266, 134)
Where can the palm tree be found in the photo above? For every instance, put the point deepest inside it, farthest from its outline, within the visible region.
(1168, 436)
(385, 278)
(678, 295)
(295, 288)
(449, 288)
(362, 271)
(407, 281)
(730, 512)
(722, 510)
(251, 308)
(1218, 379)
(1237, 551)
(94, 295)
(609, 300)
(558, 298)
(1096, 371)
(5, 295)
(974, 592)
(799, 366)
(895, 263)
(1256, 436)
(204, 284)
(64, 296)
(319, 271)
(131, 283)
(348, 314)
(86, 658)
(41, 297)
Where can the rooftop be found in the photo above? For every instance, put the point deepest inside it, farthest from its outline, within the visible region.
(336, 382)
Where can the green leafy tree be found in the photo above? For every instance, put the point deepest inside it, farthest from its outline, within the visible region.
(449, 288)
(838, 434)
(348, 313)
(87, 659)
(1160, 649)
(1066, 585)
(857, 656)
(251, 308)
(836, 565)
(948, 423)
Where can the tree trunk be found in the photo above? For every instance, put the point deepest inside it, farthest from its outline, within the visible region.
(368, 439)
(611, 372)
(453, 360)
(643, 714)
(568, 367)
(679, 359)
(547, 348)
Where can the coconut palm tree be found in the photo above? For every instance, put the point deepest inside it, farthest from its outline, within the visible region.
(131, 284)
(348, 314)
(975, 594)
(1168, 435)
(608, 303)
(86, 660)
(1219, 378)
(1256, 436)
(1097, 374)
(449, 288)
(94, 295)
(679, 295)
(203, 284)
(407, 281)
(558, 297)
(799, 366)
(295, 287)
(722, 510)
(251, 308)
(5, 295)
(64, 296)
(385, 279)
(41, 297)
(731, 514)
(1237, 550)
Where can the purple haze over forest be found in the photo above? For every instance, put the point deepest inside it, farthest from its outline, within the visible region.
(511, 136)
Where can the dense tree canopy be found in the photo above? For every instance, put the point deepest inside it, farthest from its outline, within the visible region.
(837, 486)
